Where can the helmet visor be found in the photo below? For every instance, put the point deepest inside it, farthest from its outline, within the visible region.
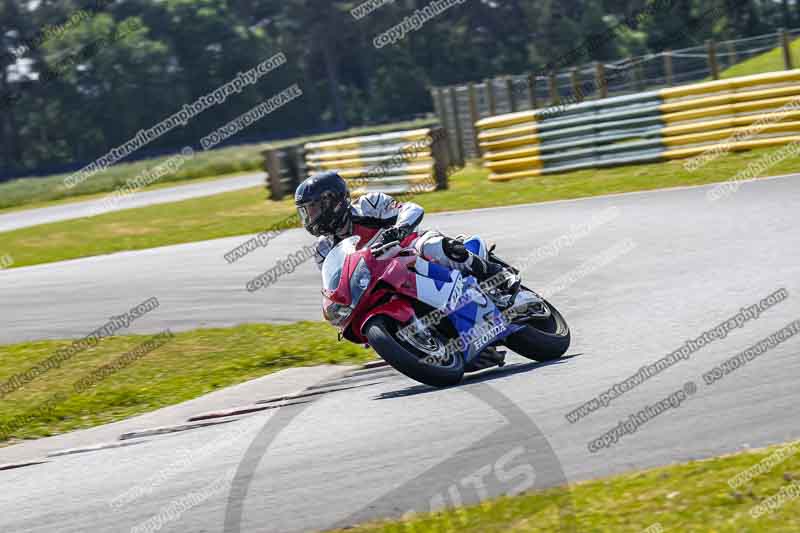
(310, 214)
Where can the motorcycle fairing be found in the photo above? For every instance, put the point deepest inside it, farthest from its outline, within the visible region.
(477, 246)
(435, 283)
(476, 319)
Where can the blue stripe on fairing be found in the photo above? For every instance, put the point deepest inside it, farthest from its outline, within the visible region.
(439, 274)
(464, 318)
(473, 245)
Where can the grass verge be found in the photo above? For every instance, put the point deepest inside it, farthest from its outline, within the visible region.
(189, 365)
(692, 497)
(247, 211)
(222, 215)
(767, 62)
(98, 195)
(233, 160)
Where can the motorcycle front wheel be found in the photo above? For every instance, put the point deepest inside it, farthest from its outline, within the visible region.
(411, 360)
(542, 339)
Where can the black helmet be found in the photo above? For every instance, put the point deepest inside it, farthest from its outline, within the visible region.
(323, 203)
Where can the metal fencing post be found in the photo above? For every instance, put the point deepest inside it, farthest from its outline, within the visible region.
(732, 57)
(512, 98)
(576, 86)
(294, 170)
(436, 96)
(489, 83)
(669, 73)
(639, 75)
(459, 144)
(555, 98)
(441, 156)
(474, 117)
(600, 79)
(532, 91)
(787, 49)
(443, 116)
(713, 66)
(272, 164)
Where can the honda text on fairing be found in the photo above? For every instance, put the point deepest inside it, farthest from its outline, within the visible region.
(431, 323)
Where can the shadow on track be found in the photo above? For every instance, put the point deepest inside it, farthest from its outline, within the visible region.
(481, 377)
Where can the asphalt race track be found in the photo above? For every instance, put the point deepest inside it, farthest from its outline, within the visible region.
(45, 215)
(384, 445)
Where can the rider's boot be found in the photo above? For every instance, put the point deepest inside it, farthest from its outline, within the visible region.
(497, 281)
(482, 269)
(488, 273)
(493, 276)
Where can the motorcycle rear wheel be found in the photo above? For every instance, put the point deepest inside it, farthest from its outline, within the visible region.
(407, 359)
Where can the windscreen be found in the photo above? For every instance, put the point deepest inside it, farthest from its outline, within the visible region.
(334, 262)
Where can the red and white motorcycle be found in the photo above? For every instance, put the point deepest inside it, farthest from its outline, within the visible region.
(431, 323)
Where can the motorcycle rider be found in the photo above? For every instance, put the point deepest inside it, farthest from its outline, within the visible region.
(323, 203)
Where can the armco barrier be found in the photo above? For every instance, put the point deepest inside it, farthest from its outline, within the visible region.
(389, 162)
(734, 114)
(460, 106)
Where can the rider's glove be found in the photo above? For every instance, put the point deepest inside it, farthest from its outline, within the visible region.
(395, 233)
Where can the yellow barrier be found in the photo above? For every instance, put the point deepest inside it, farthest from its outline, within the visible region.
(740, 146)
(392, 162)
(742, 132)
(352, 154)
(731, 98)
(512, 154)
(509, 119)
(731, 122)
(510, 143)
(512, 165)
(730, 109)
(736, 114)
(731, 84)
(364, 172)
(367, 161)
(358, 142)
(697, 138)
(494, 135)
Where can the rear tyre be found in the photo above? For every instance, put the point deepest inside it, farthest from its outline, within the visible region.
(407, 359)
(542, 339)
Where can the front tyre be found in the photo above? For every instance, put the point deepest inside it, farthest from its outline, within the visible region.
(542, 339)
(381, 332)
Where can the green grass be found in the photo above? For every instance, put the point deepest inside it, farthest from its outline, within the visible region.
(767, 62)
(222, 215)
(98, 195)
(237, 159)
(27, 191)
(692, 497)
(247, 211)
(190, 365)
